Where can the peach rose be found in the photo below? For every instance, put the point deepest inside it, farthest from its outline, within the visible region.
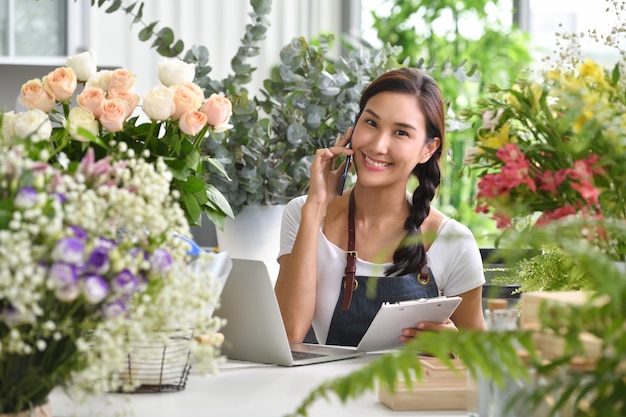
(61, 83)
(121, 79)
(218, 110)
(81, 119)
(192, 122)
(35, 96)
(187, 97)
(100, 80)
(158, 104)
(83, 65)
(176, 72)
(91, 98)
(33, 124)
(130, 98)
(113, 113)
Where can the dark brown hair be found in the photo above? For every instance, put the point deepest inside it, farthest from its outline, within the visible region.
(410, 256)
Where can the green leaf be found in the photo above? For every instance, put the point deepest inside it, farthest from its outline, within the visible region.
(218, 200)
(114, 6)
(146, 33)
(166, 35)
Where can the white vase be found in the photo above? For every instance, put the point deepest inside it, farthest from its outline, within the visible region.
(254, 234)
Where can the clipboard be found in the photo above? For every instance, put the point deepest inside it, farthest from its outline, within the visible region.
(385, 330)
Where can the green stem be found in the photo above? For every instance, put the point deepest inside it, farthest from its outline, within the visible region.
(200, 137)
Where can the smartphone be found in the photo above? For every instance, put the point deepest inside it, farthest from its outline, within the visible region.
(344, 174)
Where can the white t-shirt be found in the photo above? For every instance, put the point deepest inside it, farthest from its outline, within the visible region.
(453, 257)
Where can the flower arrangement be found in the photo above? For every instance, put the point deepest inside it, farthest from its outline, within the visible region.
(89, 261)
(95, 211)
(172, 122)
(552, 148)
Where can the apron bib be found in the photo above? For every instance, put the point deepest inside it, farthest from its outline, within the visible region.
(347, 327)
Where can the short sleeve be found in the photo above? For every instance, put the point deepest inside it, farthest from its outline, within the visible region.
(290, 224)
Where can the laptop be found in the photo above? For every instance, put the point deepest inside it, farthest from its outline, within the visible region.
(254, 330)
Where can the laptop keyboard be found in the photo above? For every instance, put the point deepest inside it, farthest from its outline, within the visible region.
(297, 355)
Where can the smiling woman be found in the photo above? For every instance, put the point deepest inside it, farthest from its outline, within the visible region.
(397, 247)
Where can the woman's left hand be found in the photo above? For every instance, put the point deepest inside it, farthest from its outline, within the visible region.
(423, 326)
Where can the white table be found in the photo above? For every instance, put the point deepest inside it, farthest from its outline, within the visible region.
(240, 389)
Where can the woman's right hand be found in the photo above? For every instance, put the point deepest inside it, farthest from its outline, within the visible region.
(324, 178)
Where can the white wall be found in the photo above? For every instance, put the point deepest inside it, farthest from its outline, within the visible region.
(217, 24)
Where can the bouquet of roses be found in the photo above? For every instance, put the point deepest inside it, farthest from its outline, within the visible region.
(171, 122)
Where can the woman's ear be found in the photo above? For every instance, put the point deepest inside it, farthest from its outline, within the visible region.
(429, 149)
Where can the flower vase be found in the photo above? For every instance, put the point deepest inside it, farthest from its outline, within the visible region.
(254, 234)
(43, 410)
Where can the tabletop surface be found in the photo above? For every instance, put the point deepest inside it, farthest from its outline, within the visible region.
(240, 389)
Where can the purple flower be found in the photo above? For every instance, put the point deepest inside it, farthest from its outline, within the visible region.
(114, 309)
(26, 198)
(95, 288)
(65, 281)
(161, 261)
(60, 196)
(79, 232)
(69, 250)
(125, 282)
(98, 261)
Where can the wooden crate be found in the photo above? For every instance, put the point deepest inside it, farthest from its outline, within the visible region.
(440, 389)
(550, 345)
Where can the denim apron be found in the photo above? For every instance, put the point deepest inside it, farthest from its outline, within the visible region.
(348, 327)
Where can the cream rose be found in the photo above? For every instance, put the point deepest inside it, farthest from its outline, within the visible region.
(83, 65)
(176, 72)
(61, 83)
(187, 97)
(100, 80)
(8, 129)
(113, 114)
(218, 110)
(121, 79)
(158, 104)
(79, 119)
(192, 122)
(35, 96)
(131, 99)
(91, 98)
(32, 124)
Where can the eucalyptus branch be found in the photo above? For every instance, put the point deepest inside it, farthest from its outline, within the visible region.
(164, 42)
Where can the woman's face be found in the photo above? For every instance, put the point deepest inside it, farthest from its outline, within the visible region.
(389, 139)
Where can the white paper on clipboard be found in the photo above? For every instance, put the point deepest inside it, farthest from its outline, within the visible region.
(386, 328)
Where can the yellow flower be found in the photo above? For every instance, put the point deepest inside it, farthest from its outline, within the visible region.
(591, 72)
(497, 139)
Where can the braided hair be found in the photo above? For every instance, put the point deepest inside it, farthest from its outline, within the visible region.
(410, 256)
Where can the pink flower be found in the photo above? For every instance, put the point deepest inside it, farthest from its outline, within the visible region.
(121, 79)
(91, 98)
(187, 97)
(587, 191)
(61, 83)
(548, 216)
(130, 98)
(192, 122)
(218, 110)
(113, 113)
(35, 96)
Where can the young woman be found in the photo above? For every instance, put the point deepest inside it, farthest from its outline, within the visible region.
(395, 246)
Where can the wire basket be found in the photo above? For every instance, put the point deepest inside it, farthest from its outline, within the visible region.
(160, 366)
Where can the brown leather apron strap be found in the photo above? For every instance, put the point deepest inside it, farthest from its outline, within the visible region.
(351, 256)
